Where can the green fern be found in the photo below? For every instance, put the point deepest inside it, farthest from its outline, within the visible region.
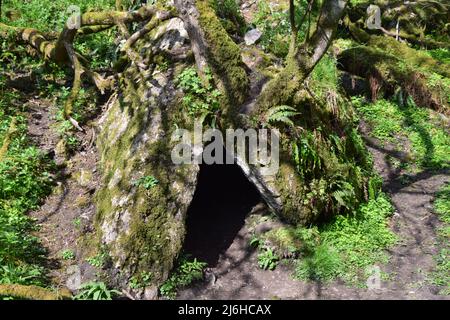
(281, 114)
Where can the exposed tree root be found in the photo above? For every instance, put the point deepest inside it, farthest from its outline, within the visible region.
(407, 20)
(32, 292)
(386, 73)
(59, 47)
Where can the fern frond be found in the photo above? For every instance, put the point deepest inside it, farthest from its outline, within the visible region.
(281, 114)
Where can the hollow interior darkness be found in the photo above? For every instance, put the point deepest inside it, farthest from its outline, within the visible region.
(222, 200)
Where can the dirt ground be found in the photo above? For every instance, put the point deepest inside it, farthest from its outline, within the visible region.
(68, 211)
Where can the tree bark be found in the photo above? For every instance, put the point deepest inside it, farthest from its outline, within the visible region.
(303, 59)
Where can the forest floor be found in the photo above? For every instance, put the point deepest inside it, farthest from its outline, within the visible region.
(237, 275)
(68, 212)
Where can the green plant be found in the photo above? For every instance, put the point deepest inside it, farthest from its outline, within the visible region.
(275, 26)
(77, 222)
(147, 182)
(255, 242)
(323, 264)
(98, 260)
(267, 259)
(230, 15)
(24, 180)
(348, 244)
(305, 155)
(441, 274)
(67, 254)
(141, 281)
(442, 203)
(422, 128)
(201, 98)
(274, 22)
(184, 274)
(96, 291)
(26, 274)
(281, 114)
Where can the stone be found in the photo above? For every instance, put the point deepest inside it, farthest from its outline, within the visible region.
(151, 293)
(84, 178)
(171, 36)
(252, 36)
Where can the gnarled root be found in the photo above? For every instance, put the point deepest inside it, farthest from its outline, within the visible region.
(32, 292)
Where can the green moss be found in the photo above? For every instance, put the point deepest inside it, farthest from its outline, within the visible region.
(230, 15)
(412, 57)
(225, 59)
(285, 241)
(388, 72)
(142, 229)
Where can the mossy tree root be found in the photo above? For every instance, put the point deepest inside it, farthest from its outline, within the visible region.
(62, 52)
(32, 292)
(155, 21)
(303, 58)
(387, 72)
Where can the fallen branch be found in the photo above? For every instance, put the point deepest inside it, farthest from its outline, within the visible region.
(152, 24)
(78, 70)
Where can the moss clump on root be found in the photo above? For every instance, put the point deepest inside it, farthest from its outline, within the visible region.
(386, 73)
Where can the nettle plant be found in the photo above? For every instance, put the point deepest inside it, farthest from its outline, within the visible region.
(201, 97)
(147, 182)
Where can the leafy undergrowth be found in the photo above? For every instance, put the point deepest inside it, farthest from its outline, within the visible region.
(273, 21)
(48, 15)
(425, 130)
(24, 180)
(187, 272)
(441, 275)
(343, 248)
(96, 291)
(441, 54)
(425, 133)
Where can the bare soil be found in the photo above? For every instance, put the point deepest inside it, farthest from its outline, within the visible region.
(67, 213)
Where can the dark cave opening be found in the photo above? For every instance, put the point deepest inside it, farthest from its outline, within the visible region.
(222, 200)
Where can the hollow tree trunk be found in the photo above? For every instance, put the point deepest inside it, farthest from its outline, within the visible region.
(144, 229)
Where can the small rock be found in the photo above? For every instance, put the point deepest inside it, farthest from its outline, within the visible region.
(252, 36)
(151, 293)
(84, 178)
